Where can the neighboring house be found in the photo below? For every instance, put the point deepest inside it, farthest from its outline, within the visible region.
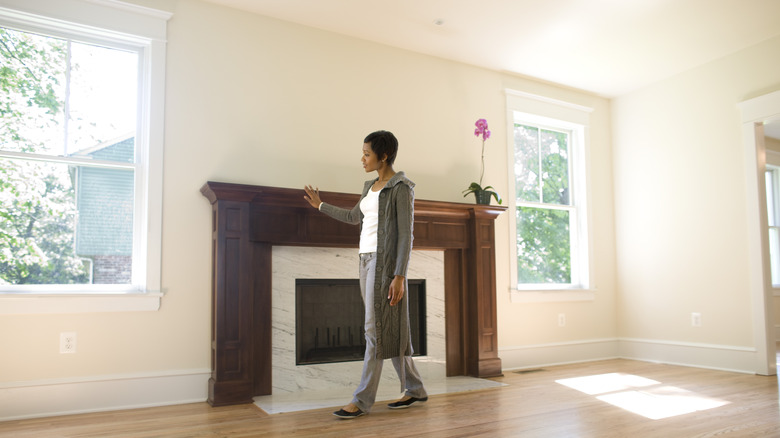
(104, 201)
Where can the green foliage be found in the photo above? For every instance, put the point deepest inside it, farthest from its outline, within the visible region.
(543, 243)
(37, 205)
(476, 188)
(31, 68)
(37, 222)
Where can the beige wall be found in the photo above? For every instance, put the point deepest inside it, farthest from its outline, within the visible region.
(680, 197)
(258, 101)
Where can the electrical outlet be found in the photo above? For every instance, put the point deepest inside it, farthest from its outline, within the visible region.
(696, 319)
(67, 342)
(561, 320)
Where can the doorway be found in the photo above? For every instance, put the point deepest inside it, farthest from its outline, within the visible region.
(772, 174)
(757, 114)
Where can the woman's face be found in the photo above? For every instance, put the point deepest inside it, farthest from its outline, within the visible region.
(370, 160)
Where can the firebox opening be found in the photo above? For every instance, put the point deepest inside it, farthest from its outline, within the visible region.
(329, 319)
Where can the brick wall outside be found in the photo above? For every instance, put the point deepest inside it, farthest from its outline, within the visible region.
(112, 269)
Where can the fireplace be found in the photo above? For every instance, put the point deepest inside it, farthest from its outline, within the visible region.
(343, 263)
(249, 221)
(329, 320)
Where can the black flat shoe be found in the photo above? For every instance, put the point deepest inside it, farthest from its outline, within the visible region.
(341, 413)
(406, 403)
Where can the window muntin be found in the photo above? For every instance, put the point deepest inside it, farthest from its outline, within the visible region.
(70, 164)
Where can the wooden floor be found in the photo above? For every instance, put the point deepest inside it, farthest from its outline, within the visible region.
(533, 404)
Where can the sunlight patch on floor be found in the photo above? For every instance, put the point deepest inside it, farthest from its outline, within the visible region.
(646, 397)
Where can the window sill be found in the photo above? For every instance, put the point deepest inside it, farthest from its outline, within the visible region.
(552, 295)
(51, 303)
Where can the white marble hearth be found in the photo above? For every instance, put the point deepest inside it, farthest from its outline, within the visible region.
(338, 397)
(301, 387)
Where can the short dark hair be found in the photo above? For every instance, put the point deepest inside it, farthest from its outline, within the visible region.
(383, 143)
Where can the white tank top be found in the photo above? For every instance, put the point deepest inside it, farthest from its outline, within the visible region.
(369, 206)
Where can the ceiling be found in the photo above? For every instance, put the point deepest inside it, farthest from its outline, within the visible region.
(606, 47)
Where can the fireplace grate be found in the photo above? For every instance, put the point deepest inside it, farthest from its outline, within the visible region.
(329, 320)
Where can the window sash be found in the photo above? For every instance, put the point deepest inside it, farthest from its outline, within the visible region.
(575, 262)
(540, 183)
(63, 142)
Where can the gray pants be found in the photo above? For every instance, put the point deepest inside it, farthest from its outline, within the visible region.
(365, 394)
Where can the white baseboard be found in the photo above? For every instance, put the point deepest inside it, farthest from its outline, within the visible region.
(711, 356)
(561, 353)
(19, 400)
(32, 399)
(719, 357)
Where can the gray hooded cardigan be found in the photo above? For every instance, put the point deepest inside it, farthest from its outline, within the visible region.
(394, 248)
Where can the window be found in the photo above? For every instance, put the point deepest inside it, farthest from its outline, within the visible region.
(544, 210)
(550, 221)
(68, 161)
(773, 212)
(80, 148)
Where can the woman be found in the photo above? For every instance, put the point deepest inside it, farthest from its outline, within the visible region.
(385, 213)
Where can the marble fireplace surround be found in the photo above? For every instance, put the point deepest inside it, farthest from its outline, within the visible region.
(291, 263)
(248, 221)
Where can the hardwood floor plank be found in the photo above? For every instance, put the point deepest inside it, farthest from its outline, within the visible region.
(533, 404)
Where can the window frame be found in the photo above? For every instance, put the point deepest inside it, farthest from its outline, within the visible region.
(142, 30)
(773, 167)
(547, 113)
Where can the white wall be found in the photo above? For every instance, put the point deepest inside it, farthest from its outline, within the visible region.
(680, 204)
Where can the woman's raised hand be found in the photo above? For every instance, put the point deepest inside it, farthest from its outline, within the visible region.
(312, 196)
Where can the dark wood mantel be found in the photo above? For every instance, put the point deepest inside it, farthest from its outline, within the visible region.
(249, 220)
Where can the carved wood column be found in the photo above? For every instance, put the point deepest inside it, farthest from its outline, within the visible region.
(231, 352)
(481, 295)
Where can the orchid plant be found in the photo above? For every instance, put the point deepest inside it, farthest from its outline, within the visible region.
(482, 194)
